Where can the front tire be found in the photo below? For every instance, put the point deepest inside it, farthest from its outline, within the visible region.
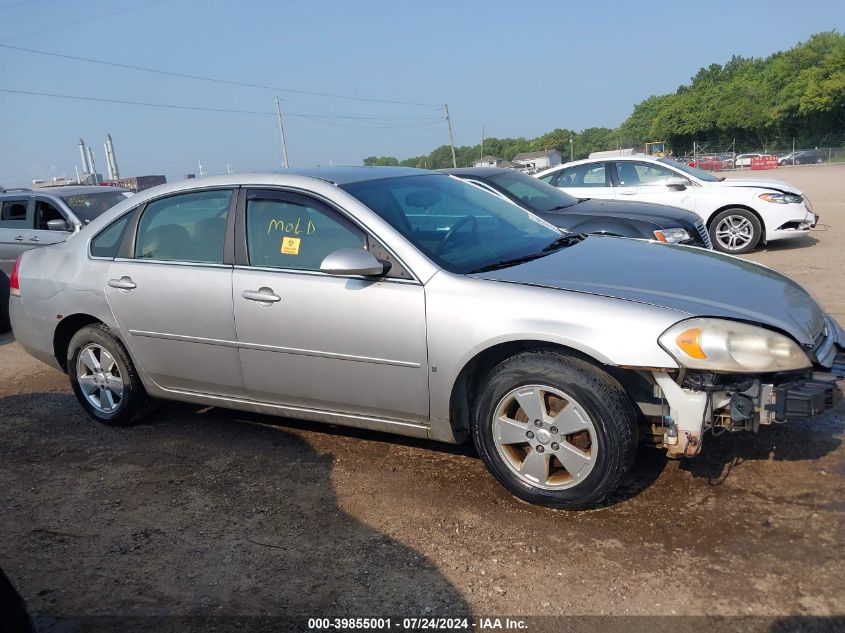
(735, 231)
(103, 377)
(554, 430)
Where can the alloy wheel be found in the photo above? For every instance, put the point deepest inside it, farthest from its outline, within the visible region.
(545, 437)
(99, 378)
(734, 232)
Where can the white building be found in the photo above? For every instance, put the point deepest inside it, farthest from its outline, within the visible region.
(488, 161)
(535, 161)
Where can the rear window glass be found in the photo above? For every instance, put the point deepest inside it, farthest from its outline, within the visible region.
(107, 241)
(88, 206)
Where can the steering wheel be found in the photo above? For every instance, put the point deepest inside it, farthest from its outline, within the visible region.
(450, 234)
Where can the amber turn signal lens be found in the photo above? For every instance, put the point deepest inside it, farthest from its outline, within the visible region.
(690, 342)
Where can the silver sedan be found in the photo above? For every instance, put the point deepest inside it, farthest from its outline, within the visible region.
(408, 301)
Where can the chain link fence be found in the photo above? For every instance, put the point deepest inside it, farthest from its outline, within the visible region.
(738, 155)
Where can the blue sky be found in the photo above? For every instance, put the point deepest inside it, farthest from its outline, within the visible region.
(519, 68)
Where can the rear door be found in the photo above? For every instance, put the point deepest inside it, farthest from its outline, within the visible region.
(15, 230)
(171, 292)
(317, 341)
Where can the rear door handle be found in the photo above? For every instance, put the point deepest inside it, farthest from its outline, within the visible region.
(19, 238)
(124, 283)
(34, 239)
(262, 295)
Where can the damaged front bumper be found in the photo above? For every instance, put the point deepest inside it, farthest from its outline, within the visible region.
(692, 403)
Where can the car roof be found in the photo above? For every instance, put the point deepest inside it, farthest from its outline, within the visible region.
(61, 191)
(479, 172)
(349, 175)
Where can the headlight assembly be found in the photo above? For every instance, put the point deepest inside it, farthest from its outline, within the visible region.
(731, 346)
(672, 236)
(781, 198)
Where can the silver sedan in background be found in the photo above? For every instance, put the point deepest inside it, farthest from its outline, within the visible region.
(408, 301)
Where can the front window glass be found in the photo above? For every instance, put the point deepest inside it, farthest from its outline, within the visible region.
(289, 234)
(88, 206)
(633, 174)
(44, 212)
(190, 228)
(586, 175)
(538, 195)
(692, 171)
(457, 225)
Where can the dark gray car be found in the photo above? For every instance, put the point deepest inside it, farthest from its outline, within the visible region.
(32, 218)
(644, 220)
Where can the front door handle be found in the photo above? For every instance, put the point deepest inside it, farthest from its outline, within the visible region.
(19, 238)
(627, 193)
(34, 239)
(262, 295)
(124, 283)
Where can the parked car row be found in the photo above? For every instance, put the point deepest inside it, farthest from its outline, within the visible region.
(414, 302)
(31, 218)
(740, 215)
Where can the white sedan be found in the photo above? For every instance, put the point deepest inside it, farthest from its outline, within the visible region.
(739, 214)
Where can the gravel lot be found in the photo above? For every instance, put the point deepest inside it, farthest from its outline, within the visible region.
(208, 512)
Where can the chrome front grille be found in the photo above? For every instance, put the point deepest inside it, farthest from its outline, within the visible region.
(704, 233)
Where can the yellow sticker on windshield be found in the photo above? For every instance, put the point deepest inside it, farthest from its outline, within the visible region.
(290, 245)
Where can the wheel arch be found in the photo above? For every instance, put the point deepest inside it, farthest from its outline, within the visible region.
(473, 372)
(65, 331)
(744, 207)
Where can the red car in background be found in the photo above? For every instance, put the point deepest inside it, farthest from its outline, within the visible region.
(710, 163)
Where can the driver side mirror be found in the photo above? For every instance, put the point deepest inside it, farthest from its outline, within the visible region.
(58, 225)
(676, 183)
(353, 261)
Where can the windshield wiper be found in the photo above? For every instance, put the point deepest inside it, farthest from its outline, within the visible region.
(561, 242)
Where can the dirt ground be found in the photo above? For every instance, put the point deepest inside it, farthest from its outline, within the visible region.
(206, 512)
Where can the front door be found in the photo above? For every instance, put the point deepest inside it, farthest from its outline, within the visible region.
(45, 211)
(173, 297)
(15, 231)
(316, 341)
(646, 182)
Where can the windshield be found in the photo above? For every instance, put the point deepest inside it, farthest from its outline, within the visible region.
(88, 206)
(457, 225)
(692, 171)
(535, 194)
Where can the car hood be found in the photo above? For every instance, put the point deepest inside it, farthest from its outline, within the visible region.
(690, 280)
(758, 183)
(659, 214)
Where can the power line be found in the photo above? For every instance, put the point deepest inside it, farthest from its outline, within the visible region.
(217, 80)
(136, 103)
(17, 4)
(65, 25)
(171, 106)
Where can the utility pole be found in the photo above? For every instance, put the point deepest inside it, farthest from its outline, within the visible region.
(451, 140)
(482, 143)
(571, 150)
(282, 132)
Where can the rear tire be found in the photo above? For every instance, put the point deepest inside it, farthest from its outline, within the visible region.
(554, 430)
(5, 324)
(104, 379)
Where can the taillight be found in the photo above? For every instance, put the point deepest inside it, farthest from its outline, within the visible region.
(14, 282)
